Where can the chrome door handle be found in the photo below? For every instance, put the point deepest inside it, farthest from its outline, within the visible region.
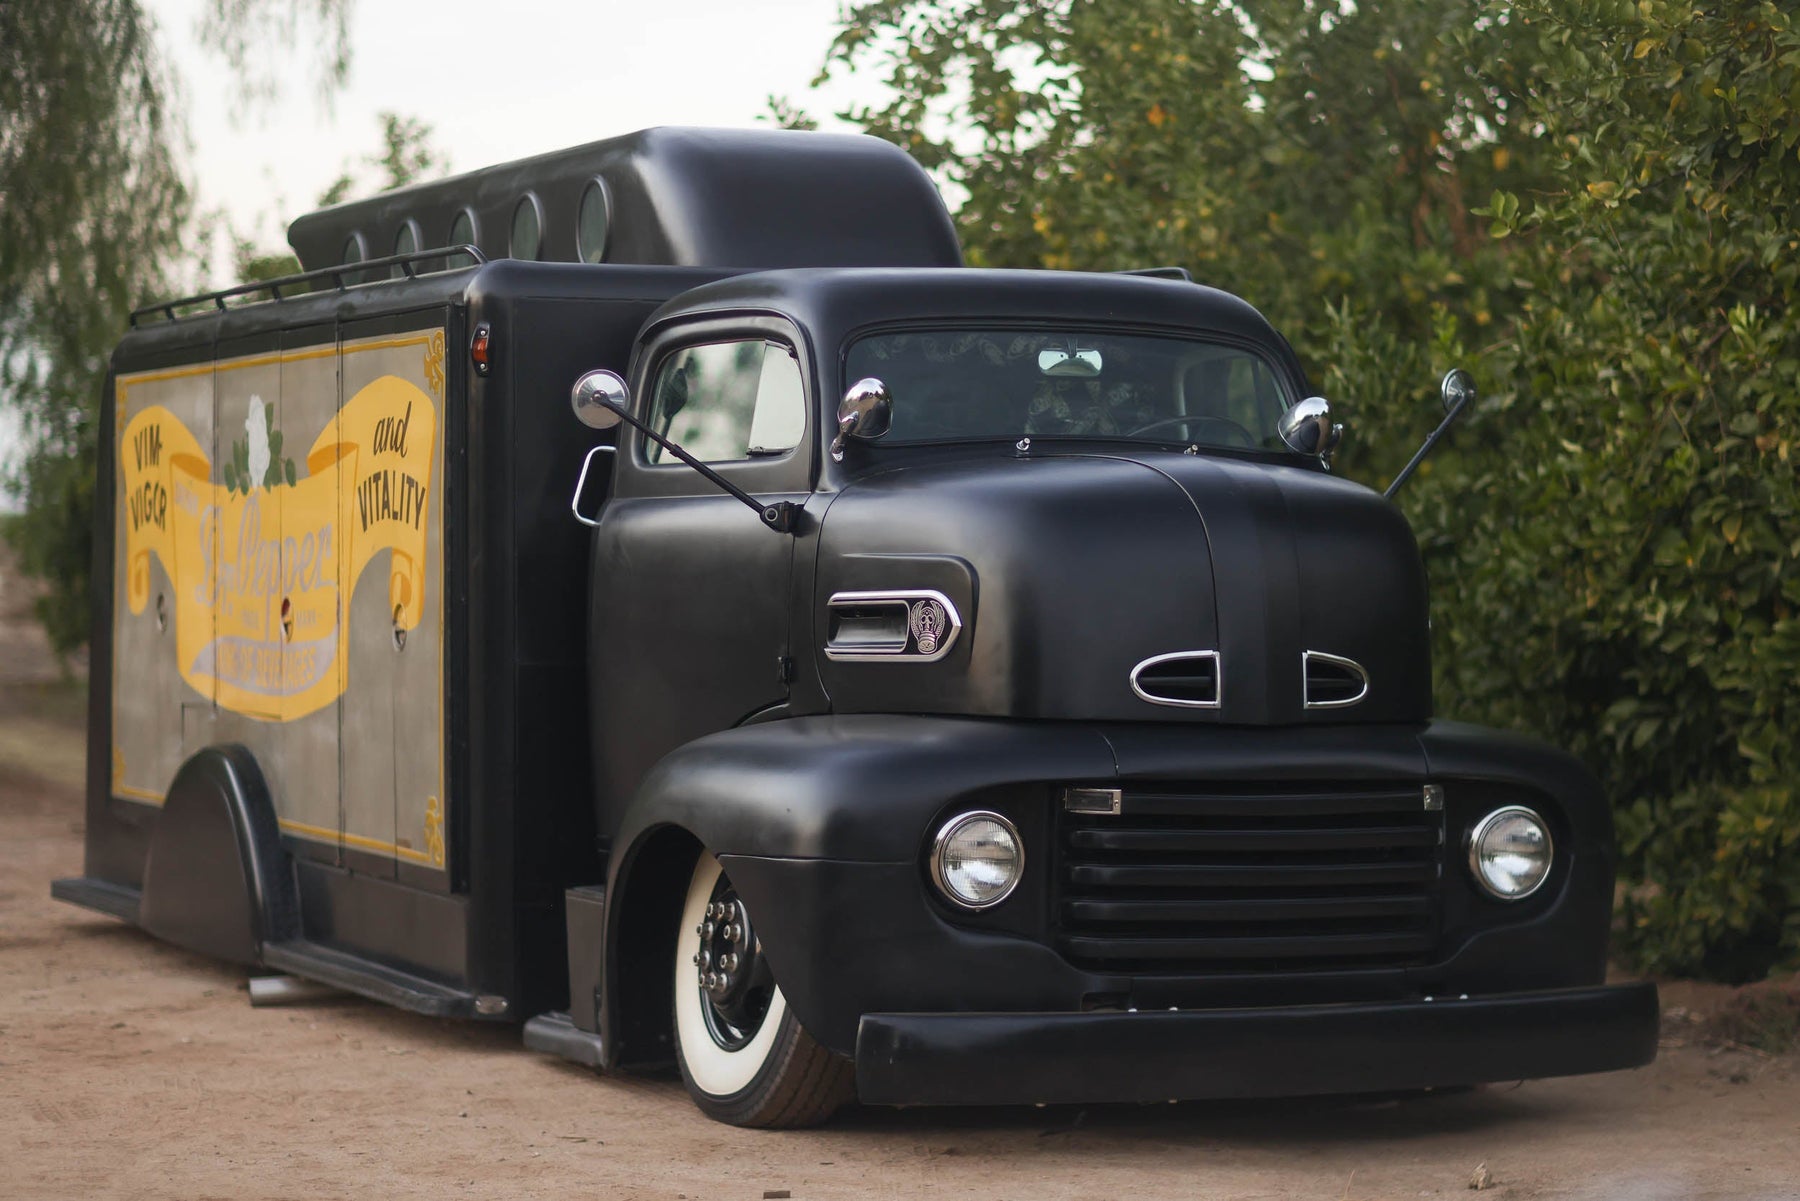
(581, 484)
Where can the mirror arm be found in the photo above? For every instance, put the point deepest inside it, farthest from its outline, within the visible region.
(1430, 442)
(782, 516)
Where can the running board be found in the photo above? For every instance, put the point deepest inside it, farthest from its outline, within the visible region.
(555, 1034)
(102, 896)
(378, 982)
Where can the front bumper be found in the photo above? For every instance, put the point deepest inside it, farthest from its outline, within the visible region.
(1059, 1058)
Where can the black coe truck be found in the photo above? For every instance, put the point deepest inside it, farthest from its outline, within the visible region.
(656, 594)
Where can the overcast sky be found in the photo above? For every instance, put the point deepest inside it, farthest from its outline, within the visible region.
(495, 80)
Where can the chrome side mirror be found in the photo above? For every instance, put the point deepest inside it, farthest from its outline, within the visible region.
(1457, 390)
(1307, 429)
(865, 413)
(600, 399)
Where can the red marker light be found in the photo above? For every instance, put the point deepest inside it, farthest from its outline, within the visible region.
(478, 349)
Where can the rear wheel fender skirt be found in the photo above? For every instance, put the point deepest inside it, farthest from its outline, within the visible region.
(216, 879)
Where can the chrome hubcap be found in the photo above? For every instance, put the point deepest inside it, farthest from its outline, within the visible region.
(730, 971)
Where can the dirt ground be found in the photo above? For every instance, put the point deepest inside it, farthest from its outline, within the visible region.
(130, 1069)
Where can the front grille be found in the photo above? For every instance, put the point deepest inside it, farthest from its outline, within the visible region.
(1252, 878)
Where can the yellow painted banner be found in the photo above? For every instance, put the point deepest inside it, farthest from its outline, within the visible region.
(264, 562)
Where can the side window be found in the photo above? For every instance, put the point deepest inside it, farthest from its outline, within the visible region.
(727, 401)
(1236, 386)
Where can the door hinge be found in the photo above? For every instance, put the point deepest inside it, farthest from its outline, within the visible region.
(784, 669)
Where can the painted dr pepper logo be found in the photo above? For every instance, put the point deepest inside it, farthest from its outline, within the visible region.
(264, 562)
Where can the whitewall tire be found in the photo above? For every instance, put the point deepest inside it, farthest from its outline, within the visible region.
(743, 1055)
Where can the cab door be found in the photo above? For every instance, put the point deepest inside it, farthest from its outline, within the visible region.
(690, 591)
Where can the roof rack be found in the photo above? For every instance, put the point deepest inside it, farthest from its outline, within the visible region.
(406, 262)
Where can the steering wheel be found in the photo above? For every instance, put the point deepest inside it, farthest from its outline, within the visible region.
(1239, 436)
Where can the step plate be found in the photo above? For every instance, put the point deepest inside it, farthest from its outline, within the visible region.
(555, 1034)
(366, 978)
(102, 896)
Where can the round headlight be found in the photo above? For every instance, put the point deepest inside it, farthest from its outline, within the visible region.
(1509, 852)
(977, 859)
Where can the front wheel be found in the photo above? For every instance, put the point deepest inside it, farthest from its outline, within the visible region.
(743, 1055)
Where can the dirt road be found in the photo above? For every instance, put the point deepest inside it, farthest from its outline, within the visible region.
(129, 1069)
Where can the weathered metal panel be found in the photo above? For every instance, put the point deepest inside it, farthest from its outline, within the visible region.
(394, 794)
(302, 760)
(279, 559)
(164, 442)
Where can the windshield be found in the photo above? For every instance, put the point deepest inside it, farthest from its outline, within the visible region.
(1072, 383)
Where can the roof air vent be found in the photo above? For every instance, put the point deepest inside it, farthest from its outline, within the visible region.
(1332, 681)
(1185, 679)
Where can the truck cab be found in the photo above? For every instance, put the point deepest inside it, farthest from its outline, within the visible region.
(842, 673)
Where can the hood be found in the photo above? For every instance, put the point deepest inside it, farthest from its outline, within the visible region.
(1073, 575)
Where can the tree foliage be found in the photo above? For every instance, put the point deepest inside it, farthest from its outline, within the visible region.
(407, 155)
(243, 32)
(1591, 204)
(92, 207)
(95, 219)
(1660, 354)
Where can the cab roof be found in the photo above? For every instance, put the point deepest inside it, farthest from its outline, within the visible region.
(836, 304)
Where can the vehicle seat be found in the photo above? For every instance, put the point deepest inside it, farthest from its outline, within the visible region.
(1073, 406)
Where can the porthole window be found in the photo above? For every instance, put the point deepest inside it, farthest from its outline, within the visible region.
(594, 222)
(527, 228)
(462, 230)
(406, 241)
(355, 251)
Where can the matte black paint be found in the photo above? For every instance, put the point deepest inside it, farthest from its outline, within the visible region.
(739, 198)
(215, 879)
(620, 700)
(821, 823)
(1010, 1059)
(369, 977)
(520, 779)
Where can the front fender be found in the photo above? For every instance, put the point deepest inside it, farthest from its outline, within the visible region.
(822, 823)
(842, 794)
(852, 787)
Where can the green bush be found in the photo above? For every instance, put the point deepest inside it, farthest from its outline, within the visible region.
(1589, 203)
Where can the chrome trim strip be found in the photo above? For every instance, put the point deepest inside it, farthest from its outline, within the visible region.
(1218, 680)
(1480, 830)
(580, 483)
(1357, 669)
(903, 597)
(937, 857)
